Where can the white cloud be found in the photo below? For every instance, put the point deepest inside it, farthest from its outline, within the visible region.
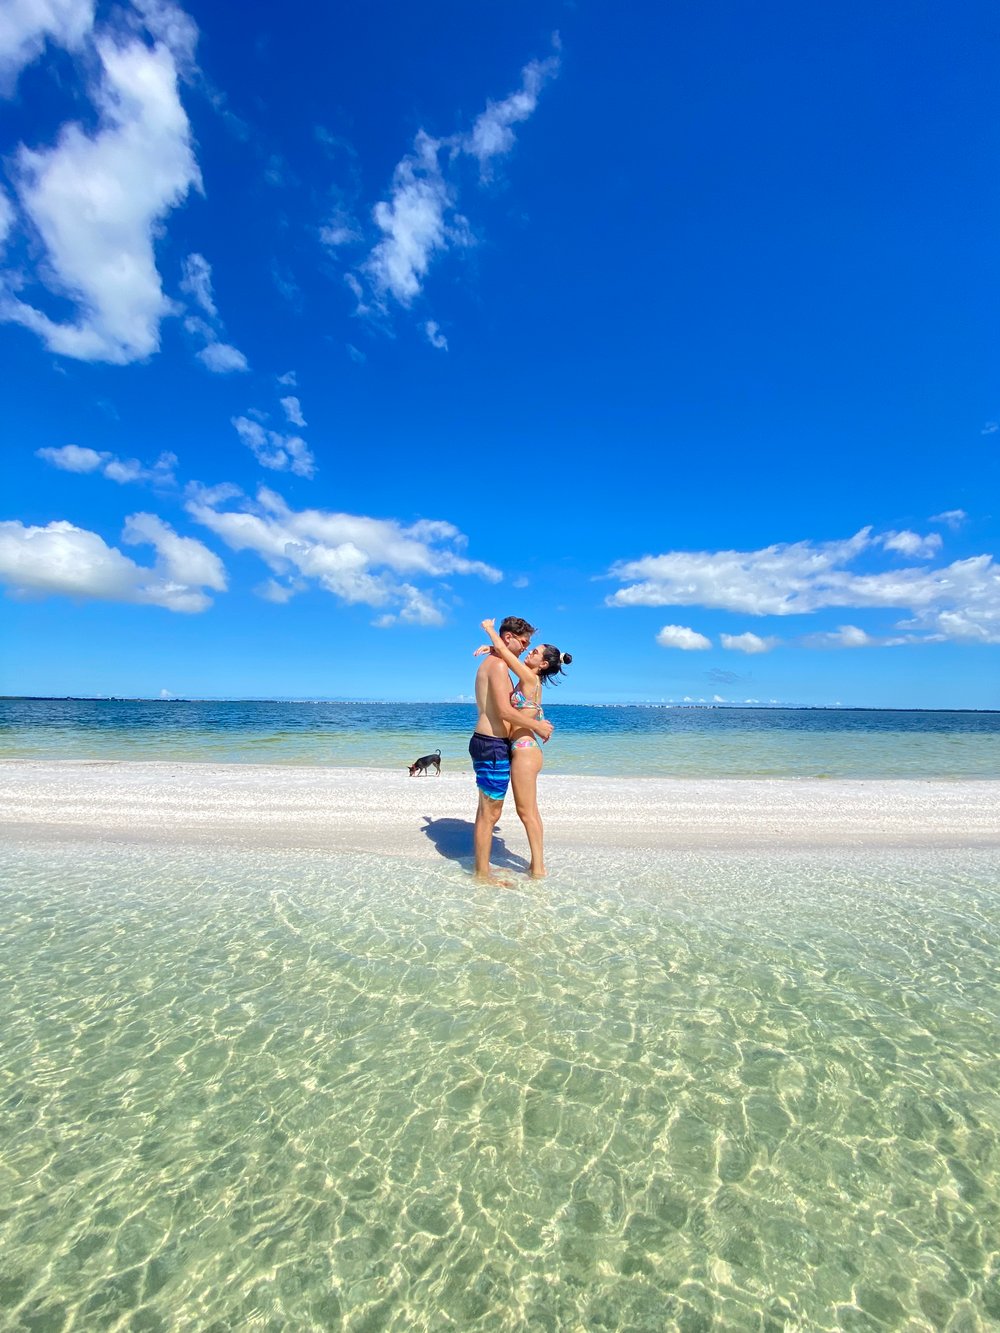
(361, 560)
(273, 449)
(952, 518)
(420, 219)
(26, 25)
(679, 636)
(97, 200)
(286, 284)
(196, 282)
(412, 223)
(959, 601)
(288, 380)
(846, 636)
(777, 580)
(212, 495)
(358, 292)
(340, 230)
(130, 469)
(991, 428)
(978, 620)
(333, 235)
(434, 336)
(281, 453)
(73, 458)
(417, 609)
(8, 217)
(62, 559)
(278, 173)
(492, 135)
(912, 544)
(222, 359)
(279, 593)
(199, 328)
(185, 560)
(748, 643)
(293, 411)
(169, 24)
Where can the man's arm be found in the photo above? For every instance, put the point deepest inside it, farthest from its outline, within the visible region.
(525, 675)
(518, 717)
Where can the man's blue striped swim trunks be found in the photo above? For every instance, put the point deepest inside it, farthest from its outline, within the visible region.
(491, 760)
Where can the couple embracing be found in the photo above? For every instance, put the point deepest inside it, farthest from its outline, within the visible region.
(506, 747)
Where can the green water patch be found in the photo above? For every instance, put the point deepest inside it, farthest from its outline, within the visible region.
(723, 754)
(315, 1091)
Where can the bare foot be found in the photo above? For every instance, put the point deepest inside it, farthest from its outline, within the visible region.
(494, 879)
(536, 874)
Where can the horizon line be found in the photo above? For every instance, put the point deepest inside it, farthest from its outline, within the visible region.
(633, 703)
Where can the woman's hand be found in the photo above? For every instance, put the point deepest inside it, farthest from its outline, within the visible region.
(480, 652)
(488, 625)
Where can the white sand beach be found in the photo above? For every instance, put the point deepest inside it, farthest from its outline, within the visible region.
(375, 810)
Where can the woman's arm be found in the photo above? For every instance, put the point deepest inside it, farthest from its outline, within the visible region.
(524, 674)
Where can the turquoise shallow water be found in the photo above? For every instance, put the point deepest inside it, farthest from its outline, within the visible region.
(293, 1091)
(613, 741)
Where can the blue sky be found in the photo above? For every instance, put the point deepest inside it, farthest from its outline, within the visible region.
(329, 330)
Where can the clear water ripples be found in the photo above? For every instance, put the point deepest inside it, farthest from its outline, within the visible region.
(313, 1091)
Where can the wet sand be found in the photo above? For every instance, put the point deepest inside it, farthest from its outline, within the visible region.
(375, 810)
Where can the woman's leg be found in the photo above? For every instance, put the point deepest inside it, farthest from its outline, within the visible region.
(524, 769)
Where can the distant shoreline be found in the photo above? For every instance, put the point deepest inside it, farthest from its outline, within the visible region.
(460, 703)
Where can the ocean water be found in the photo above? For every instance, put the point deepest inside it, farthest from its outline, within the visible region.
(305, 1091)
(301, 1090)
(613, 741)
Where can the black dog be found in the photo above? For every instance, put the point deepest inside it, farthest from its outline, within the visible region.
(425, 764)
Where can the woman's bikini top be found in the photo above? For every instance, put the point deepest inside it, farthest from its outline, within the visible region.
(518, 699)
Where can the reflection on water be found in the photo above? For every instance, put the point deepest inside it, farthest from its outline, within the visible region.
(635, 741)
(698, 1092)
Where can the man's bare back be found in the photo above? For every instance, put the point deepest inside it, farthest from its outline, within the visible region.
(492, 691)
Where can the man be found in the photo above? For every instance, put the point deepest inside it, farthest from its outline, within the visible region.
(489, 747)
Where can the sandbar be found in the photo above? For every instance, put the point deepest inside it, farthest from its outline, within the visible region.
(385, 812)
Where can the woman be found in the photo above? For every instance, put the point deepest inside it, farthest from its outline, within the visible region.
(539, 666)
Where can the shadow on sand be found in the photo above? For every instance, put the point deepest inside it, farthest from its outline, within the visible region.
(452, 839)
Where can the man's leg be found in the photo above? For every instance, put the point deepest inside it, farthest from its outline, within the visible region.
(487, 815)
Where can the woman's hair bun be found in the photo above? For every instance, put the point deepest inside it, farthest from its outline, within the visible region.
(566, 659)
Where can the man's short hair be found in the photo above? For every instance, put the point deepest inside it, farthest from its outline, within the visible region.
(516, 626)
